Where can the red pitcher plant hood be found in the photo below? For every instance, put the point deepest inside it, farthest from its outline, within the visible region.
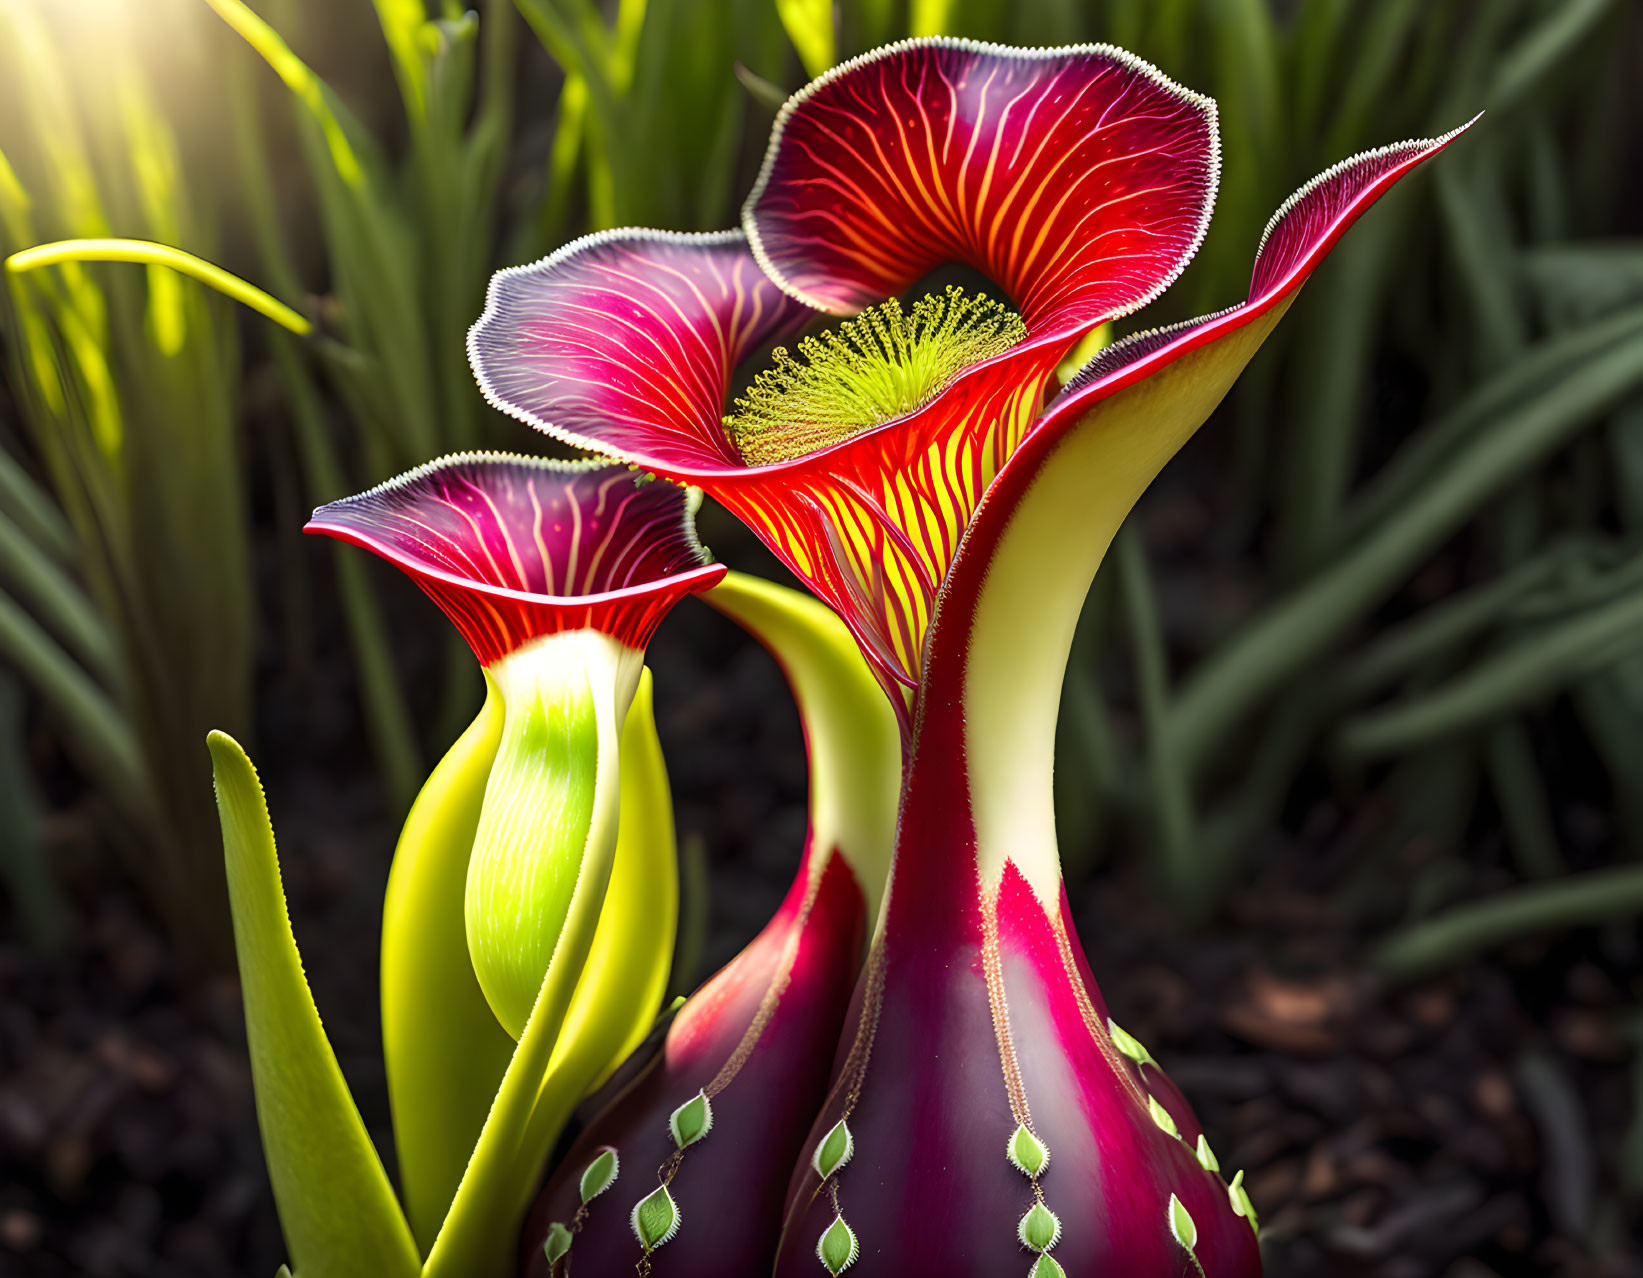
(984, 1117)
(1080, 180)
(515, 549)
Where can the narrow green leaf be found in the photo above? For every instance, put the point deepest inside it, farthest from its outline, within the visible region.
(445, 1052)
(1294, 629)
(56, 599)
(336, 1206)
(809, 26)
(1579, 900)
(97, 734)
(1172, 800)
(1544, 46)
(304, 85)
(117, 250)
(34, 511)
(402, 24)
(1538, 664)
(1520, 793)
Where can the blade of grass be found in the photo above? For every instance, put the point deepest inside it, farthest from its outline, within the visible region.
(403, 23)
(1296, 628)
(1463, 933)
(117, 250)
(56, 600)
(304, 85)
(33, 512)
(1544, 368)
(1171, 792)
(1514, 775)
(97, 734)
(1443, 627)
(37, 903)
(1532, 668)
(1543, 48)
(388, 720)
(809, 25)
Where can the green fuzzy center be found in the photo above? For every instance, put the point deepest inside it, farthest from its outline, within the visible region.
(881, 365)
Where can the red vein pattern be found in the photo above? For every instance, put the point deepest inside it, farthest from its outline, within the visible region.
(1079, 179)
(625, 342)
(515, 548)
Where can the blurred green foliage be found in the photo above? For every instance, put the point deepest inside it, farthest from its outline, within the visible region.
(452, 141)
(126, 598)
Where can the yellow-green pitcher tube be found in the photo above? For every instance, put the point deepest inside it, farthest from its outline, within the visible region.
(626, 975)
(445, 1050)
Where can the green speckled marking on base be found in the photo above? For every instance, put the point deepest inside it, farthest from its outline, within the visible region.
(838, 1247)
(1029, 1155)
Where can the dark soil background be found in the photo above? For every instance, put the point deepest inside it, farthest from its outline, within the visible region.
(1465, 1128)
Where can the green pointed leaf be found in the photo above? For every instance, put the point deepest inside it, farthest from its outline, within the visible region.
(838, 1247)
(655, 1218)
(1027, 1152)
(1241, 1204)
(1206, 1156)
(1161, 1116)
(1180, 1224)
(600, 1174)
(691, 1121)
(557, 1244)
(1046, 1266)
(336, 1206)
(834, 1151)
(1129, 1045)
(1040, 1228)
(444, 1050)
